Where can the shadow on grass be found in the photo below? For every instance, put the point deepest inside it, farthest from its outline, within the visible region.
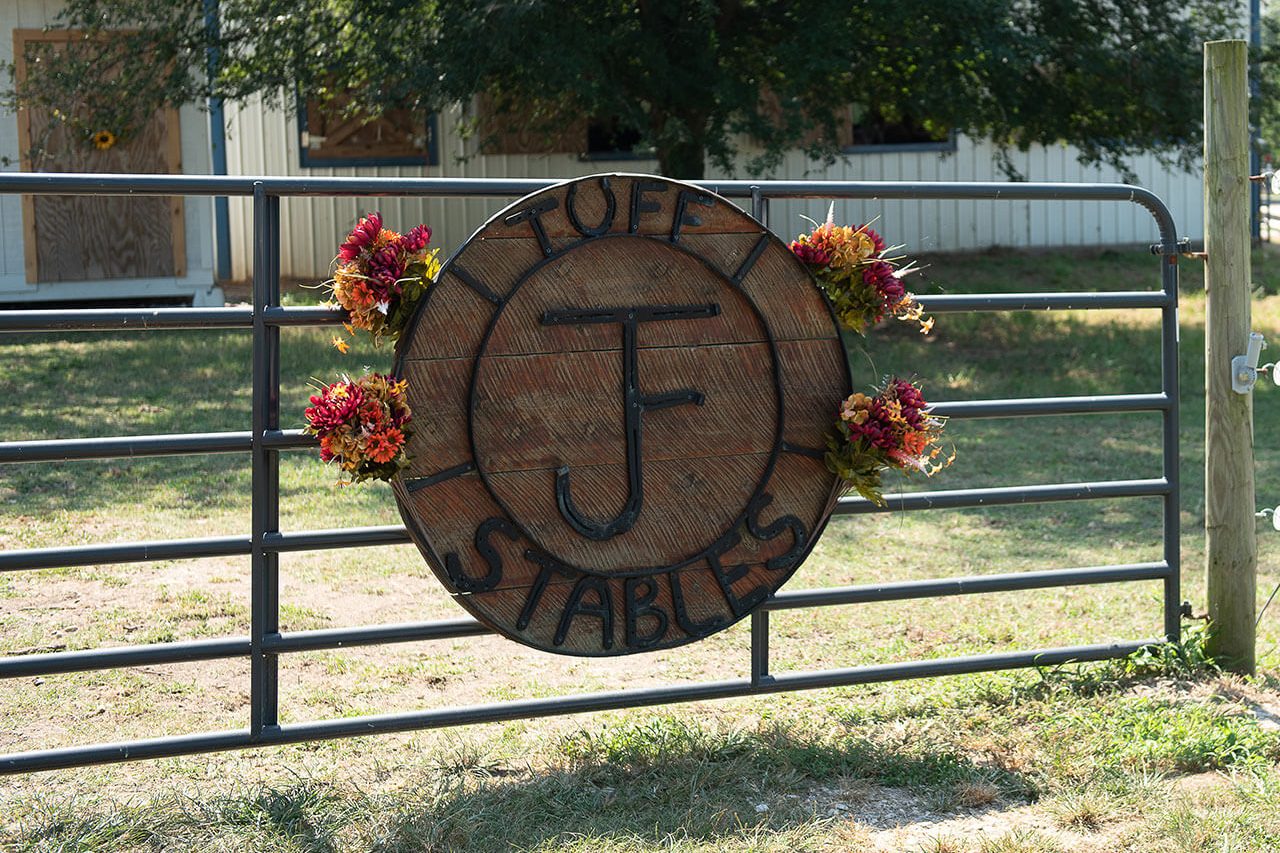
(639, 784)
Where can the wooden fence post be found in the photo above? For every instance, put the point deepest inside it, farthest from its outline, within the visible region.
(1231, 555)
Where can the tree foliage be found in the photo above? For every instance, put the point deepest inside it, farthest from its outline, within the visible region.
(1264, 102)
(733, 82)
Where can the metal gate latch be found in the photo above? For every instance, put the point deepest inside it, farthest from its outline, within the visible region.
(1244, 368)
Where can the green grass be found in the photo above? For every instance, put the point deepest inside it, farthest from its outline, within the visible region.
(747, 781)
(1078, 757)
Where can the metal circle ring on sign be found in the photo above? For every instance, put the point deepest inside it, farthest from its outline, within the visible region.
(621, 388)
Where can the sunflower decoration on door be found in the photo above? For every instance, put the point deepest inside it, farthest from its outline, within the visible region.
(104, 140)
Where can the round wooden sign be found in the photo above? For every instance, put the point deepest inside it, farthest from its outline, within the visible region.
(621, 387)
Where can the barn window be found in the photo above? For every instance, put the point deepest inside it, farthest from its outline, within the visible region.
(872, 131)
(613, 139)
(523, 132)
(329, 137)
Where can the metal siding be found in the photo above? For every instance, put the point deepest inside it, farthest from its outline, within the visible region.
(264, 141)
(193, 125)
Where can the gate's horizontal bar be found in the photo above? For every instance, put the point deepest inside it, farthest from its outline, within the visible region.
(54, 183)
(54, 663)
(176, 444)
(955, 302)
(143, 319)
(124, 319)
(287, 439)
(195, 443)
(615, 700)
(187, 444)
(1052, 406)
(342, 537)
(1010, 495)
(972, 190)
(362, 537)
(937, 587)
(213, 546)
(408, 632)
(530, 708)
(66, 449)
(307, 315)
(124, 552)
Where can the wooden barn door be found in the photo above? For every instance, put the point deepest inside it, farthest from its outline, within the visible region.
(88, 238)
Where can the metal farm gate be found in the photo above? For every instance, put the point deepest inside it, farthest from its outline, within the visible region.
(265, 440)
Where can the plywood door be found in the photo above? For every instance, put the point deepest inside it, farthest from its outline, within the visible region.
(85, 238)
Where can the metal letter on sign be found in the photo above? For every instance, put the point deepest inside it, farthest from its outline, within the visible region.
(621, 388)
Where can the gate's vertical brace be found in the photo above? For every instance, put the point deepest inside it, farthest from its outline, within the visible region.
(266, 461)
(759, 618)
(760, 647)
(1169, 384)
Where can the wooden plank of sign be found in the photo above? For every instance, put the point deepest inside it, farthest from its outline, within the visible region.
(737, 415)
(607, 613)
(641, 205)
(446, 502)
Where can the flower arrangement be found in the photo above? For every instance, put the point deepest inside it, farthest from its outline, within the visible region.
(380, 276)
(862, 281)
(363, 426)
(890, 429)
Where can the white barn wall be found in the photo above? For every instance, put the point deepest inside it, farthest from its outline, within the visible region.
(263, 141)
(194, 129)
(929, 226)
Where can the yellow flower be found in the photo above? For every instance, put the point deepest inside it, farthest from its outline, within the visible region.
(104, 139)
(854, 408)
(433, 264)
(340, 345)
(893, 410)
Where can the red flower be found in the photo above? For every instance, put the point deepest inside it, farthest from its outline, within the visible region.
(361, 237)
(879, 274)
(386, 265)
(417, 239)
(333, 407)
(810, 254)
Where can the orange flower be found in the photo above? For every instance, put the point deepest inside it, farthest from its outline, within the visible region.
(383, 446)
(915, 443)
(340, 344)
(372, 414)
